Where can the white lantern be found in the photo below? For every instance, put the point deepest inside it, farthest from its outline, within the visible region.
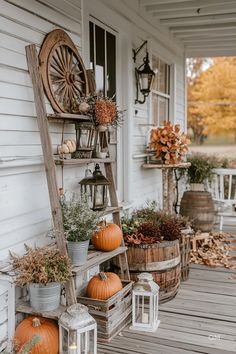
(145, 298)
(78, 331)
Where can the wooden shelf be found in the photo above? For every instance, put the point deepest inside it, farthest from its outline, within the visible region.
(97, 257)
(25, 307)
(67, 118)
(163, 166)
(74, 162)
(111, 210)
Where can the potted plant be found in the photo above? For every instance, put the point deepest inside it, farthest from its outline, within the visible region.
(103, 111)
(43, 270)
(152, 238)
(80, 222)
(201, 170)
(197, 203)
(169, 144)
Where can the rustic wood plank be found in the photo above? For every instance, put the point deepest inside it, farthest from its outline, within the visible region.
(73, 162)
(32, 60)
(195, 321)
(211, 298)
(67, 117)
(97, 257)
(172, 340)
(25, 307)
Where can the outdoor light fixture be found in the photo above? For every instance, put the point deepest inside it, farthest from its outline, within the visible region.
(77, 331)
(95, 186)
(145, 304)
(144, 75)
(86, 139)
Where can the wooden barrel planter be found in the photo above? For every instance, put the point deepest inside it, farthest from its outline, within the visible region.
(199, 207)
(162, 260)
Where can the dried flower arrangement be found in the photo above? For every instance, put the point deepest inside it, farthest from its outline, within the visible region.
(80, 221)
(149, 225)
(103, 110)
(169, 143)
(41, 265)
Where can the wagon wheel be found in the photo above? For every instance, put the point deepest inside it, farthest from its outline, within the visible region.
(63, 72)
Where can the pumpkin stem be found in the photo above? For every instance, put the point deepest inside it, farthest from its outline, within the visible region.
(102, 276)
(36, 322)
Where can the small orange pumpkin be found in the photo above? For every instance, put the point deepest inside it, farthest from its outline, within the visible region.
(103, 285)
(46, 329)
(108, 238)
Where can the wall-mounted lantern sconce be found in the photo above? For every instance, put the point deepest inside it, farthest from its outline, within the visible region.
(144, 75)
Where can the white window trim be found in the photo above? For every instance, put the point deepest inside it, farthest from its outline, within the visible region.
(124, 91)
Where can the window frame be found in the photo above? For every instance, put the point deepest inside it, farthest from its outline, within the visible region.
(157, 93)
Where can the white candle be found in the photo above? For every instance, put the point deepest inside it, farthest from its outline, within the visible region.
(145, 318)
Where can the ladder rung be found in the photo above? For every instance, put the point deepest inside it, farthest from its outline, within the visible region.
(67, 117)
(97, 257)
(59, 161)
(25, 307)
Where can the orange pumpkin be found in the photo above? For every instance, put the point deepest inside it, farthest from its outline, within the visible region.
(103, 285)
(108, 238)
(46, 329)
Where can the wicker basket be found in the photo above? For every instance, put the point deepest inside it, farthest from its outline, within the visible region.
(185, 249)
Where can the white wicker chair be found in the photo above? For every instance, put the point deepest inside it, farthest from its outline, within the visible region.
(223, 189)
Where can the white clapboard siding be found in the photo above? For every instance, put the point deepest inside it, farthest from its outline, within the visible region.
(51, 15)
(25, 213)
(7, 312)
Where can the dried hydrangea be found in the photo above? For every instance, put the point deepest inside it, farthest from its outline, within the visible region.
(102, 110)
(41, 265)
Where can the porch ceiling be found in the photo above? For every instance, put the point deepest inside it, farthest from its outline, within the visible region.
(205, 27)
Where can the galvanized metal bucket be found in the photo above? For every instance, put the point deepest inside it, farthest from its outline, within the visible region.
(45, 297)
(78, 252)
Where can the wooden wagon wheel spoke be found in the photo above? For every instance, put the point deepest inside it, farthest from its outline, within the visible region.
(79, 80)
(60, 58)
(63, 73)
(78, 89)
(57, 69)
(59, 89)
(58, 63)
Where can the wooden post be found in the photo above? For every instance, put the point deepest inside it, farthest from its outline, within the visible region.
(32, 60)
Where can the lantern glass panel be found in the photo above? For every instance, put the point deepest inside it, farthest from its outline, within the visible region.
(73, 342)
(64, 340)
(144, 82)
(86, 135)
(99, 196)
(142, 309)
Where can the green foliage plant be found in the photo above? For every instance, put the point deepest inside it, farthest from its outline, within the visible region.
(79, 220)
(41, 265)
(201, 168)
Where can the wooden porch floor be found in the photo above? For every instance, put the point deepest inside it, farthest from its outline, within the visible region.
(201, 319)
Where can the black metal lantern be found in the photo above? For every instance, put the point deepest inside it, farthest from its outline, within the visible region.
(86, 139)
(144, 75)
(95, 187)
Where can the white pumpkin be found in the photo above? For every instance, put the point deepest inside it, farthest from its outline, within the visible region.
(84, 107)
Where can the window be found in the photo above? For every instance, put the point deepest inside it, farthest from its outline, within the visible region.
(103, 59)
(102, 41)
(160, 91)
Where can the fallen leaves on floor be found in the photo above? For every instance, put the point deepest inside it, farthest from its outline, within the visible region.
(215, 250)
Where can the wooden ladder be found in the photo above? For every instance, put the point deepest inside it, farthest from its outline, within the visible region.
(50, 167)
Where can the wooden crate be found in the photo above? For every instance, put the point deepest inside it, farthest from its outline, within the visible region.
(185, 249)
(112, 315)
